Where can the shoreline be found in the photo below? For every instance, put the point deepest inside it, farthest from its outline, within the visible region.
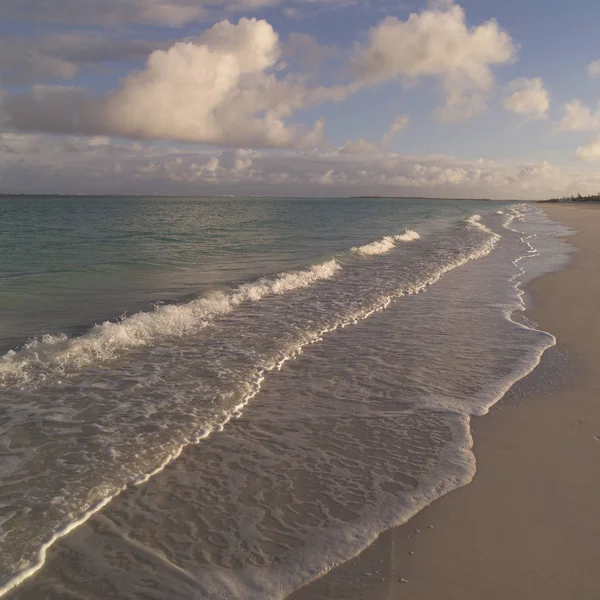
(526, 526)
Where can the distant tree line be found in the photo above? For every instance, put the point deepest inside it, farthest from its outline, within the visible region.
(577, 198)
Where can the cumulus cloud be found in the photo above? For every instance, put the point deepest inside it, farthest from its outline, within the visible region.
(593, 69)
(361, 146)
(438, 43)
(222, 90)
(579, 117)
(590, 150)
(44, 163)
(398, 124)
(234, 86)
(237, 160)
(529, 98)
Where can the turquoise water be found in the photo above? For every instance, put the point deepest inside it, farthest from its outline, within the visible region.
(69, 262)
(225, 397)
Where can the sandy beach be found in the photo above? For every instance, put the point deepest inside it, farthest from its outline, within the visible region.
(527, 527)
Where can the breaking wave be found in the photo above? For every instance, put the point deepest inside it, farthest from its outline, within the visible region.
(106, 340)
(234, 362)
(386, 244)
(55, 354)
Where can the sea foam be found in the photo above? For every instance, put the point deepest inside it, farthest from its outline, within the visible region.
(386, 244)
(57, 353)
(345, 541)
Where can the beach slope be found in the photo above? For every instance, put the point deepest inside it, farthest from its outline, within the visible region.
(527, 527)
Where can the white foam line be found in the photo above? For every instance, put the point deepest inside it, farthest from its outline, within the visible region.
(55, 354)
(466, 451)
(506, 383)
(386, 244)
(236, 411)
(422, 500)
(24, 574)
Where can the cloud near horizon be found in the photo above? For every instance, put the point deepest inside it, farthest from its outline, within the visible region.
(118, 83)
(36, 163)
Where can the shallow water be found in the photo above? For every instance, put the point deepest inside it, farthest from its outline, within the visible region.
(286, 419)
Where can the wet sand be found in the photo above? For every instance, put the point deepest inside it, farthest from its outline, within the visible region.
(527, 527)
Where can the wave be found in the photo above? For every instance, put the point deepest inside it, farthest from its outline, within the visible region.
(461, 460)
(56, 353)
(386, 244)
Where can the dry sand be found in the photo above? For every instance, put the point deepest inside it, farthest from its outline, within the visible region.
(528, 526)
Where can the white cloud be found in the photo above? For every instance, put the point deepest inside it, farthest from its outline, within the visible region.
(579, 117)
(221, 90)
(593, 69)
(438, 43)
(237, 160)
(590, 150)
(230, 87)
(45, 163)
(398, 124)
(461, 106)
(529, 98)
(362, 146)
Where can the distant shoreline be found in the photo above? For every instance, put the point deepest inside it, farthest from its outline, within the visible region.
(579, 199)
(62, 195)
(567, 201)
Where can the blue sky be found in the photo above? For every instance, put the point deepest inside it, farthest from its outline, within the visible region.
(311, 97)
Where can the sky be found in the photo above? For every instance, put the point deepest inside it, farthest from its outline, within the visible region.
(465, 99)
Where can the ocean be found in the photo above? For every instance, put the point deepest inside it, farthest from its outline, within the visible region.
(224, 398)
